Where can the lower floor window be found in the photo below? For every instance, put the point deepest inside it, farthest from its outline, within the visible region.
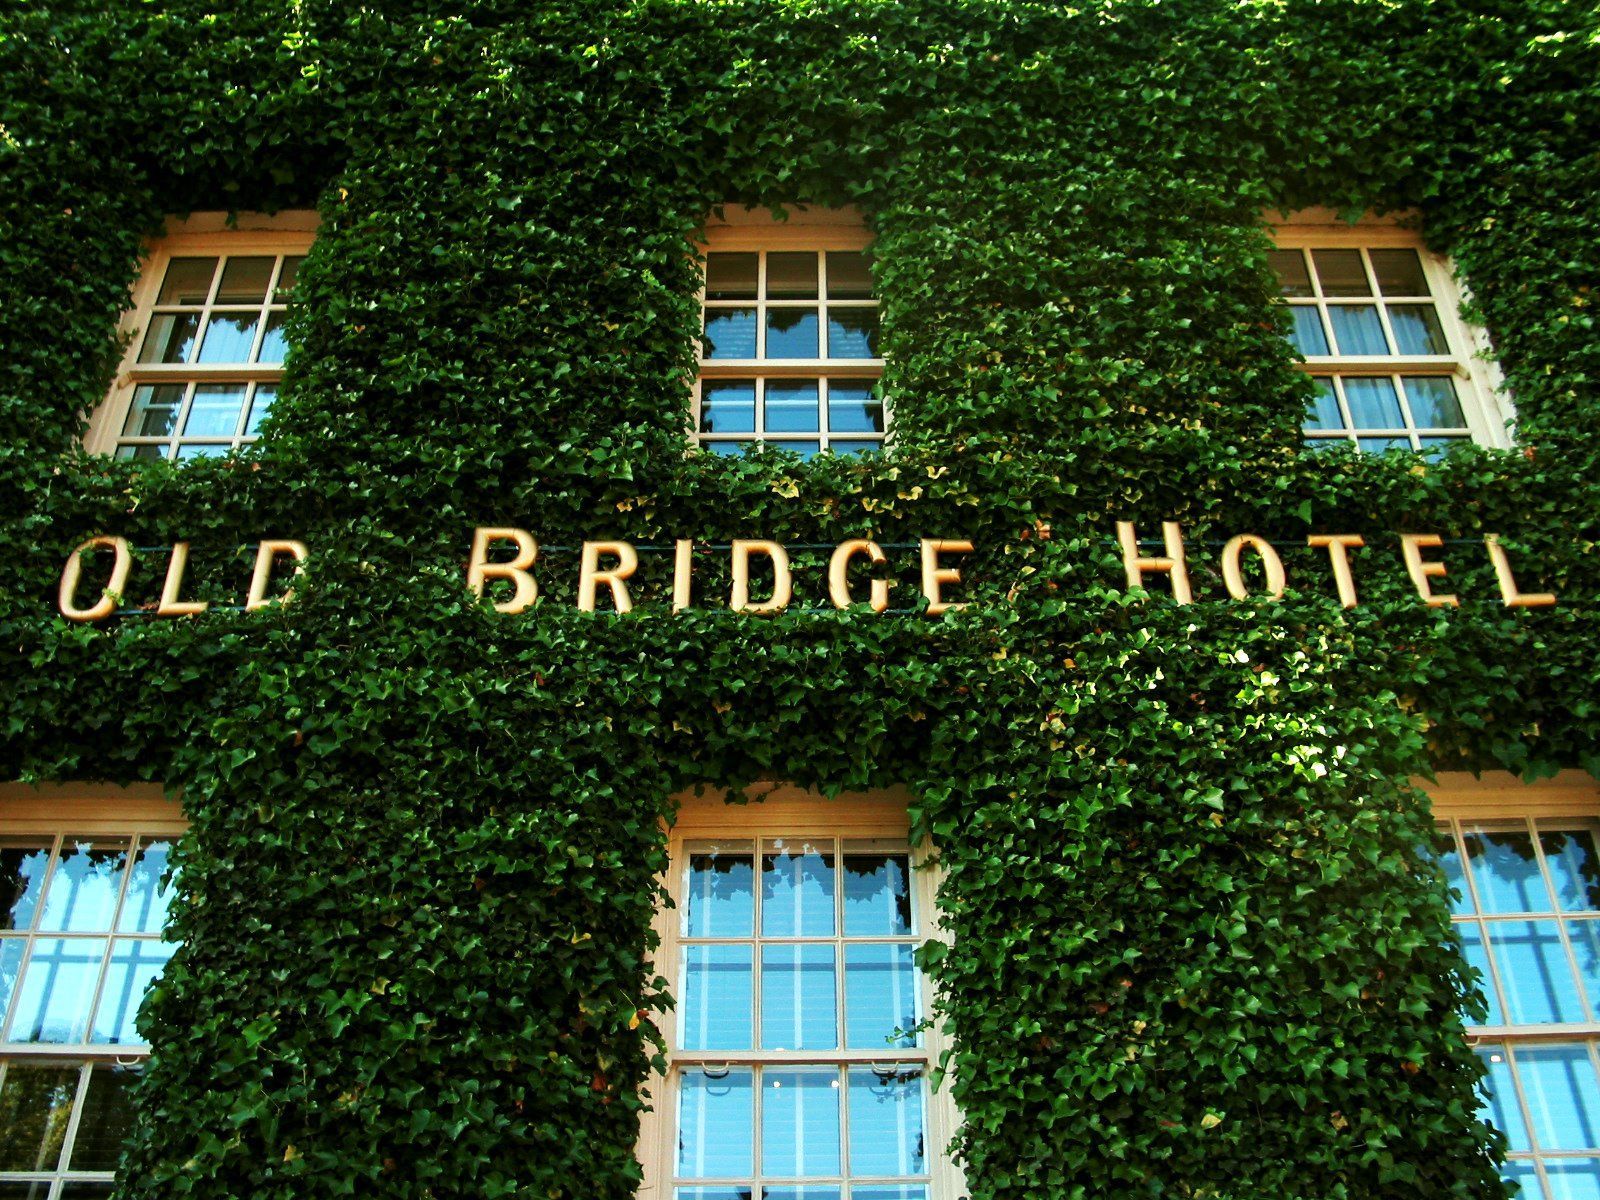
(1545, 1097)
(62, 1125)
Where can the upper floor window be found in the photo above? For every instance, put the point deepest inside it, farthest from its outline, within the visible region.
(1374, 315)
(207, 344)
(790, 351)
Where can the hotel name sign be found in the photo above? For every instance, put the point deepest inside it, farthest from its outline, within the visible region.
(502, 553)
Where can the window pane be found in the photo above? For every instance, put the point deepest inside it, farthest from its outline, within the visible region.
(202, 450)
(798, 998)
(154, 410)
(1506, 872)
(886, 1136)
(854, 446)
(803, 449)
(1563, 1095)
(852, 333)
(716, 1124)
(214, 411)
(1433, 402)
(1572, 1178)
(797, 890)
(188, 281)
(731, 276)
(728, 449)
(260, 406)
(1373, 403)
(84, 1189)
(853, 408)
(135, 963)
(880, 995)
(725, 1192)
(792, 333)
(1379, 445)
(1341, 273)
(145, 453)
(287, 276)
(1417, 329)
(22, 873)
(1473, 950)
(1534, 973)
(82, 894)
(1399, 272)
(877, 895)
(244, 281)
(1290, 267)
(1574, 867)
(35, 1105)
(1307, 334)
(728, 406)
(274, 342)
(719, 897)
(792, 406)
(169, 338)
(144, 908)
(1500, 1106)
(1437, 447)
(1585, 938)
(801, 1191)
(717, 998)
(107, 1119)
(229, 338)
(57, 989)
(730, 333)
(849, 275)
(1323, 410)
(1357, 330)
(800, 1122)
(1524, 1175)
(892, 1191)
(792, 276)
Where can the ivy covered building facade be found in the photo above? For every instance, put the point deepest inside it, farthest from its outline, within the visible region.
(802, 601)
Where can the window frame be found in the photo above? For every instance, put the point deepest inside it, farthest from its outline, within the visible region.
(1479, 383)
(707, 814)
(206, 235)
(87, 811)
(737, 229)
(1458, 797)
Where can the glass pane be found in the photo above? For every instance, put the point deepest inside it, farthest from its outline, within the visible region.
(202, 450)
(11, 951)
(1417, 329)
(1437, 447)
(22, 873)
(1399, 272)
(287, 276)
(169, 338)
(719, 893)
(1534, 974)
(1574, 867)
(728, 406)
(723, 1192)
(728, 449)
(1433, 402)
(716, 1124)
(1500, 1105)
(792, 333)
(1524, 1175)
(792, 275)
(1356, 329)
(274, 342)
(800, 1122)
(144, 453)
(854, 446)
(1572, 1178)
(802, 1191)
(107, 1119)
(57, 989)
(260, 406)
(886, 1136)
(730, 333)
(880, 995)
(852, 333)
(797, 890)
(1445, 854)
(1379, 445)
(1506, 872)
(1373, 403)
(39, 1189)
(731, 276)
(35, 1105)
(853, 408)
(214, 411)
(1341, 273)
(85, 1189)
(229, 338)
(1290, 268)
(803, 449)
(792, 406)
(892, 1191)
(1307, 334)
(135, 963)
(798, 998)
(1323, 410)
(717, 998)
(1585, 938)
(1472, 949)
(188, 281)
(1563, 1095)
(154, 411)
(877, 895)
(82, 895)
(849, 275)
(244, 281)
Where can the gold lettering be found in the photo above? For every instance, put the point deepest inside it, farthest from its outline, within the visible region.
(1338, 547)
(266, 554)
(682, 574)
(172, 587)
(1233, 577)
(934, 577)
(839, 574)
(1509, 592)
(590, 576)
(1411, 546)
(782, 585)
(1172, 565)
(480, 570)
(72, 572)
